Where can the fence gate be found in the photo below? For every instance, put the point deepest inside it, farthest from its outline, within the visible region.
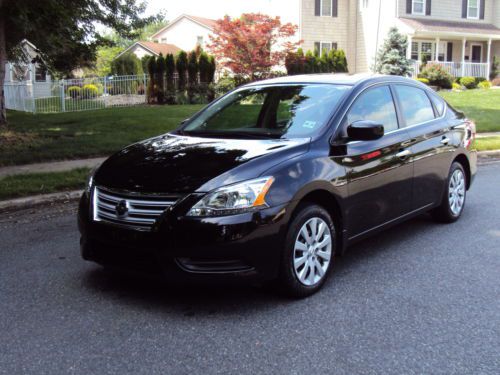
(76, 94)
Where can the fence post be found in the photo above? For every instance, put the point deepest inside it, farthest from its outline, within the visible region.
(105, 91)
(33, 97)
(63, 101)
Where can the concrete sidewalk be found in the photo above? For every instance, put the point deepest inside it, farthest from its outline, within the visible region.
(487, 134)
(56, 166)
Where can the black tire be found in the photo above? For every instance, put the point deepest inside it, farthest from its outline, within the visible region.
(444, 213)
(289, 281)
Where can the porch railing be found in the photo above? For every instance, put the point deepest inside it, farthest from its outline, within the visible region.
(457, 69)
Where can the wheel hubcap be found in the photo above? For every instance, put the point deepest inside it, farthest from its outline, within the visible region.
(456, 192)
(313, 251)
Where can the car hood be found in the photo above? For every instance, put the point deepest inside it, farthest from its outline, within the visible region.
(173, 164)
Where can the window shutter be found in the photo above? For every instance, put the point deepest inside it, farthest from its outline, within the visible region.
(464, 8)
(335, 8)
(408, 6)
(334, 45)
(449, 52)
(428, 8)
(481, 9)
(317, 7)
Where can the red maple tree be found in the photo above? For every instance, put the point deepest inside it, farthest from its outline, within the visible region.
(250, 46)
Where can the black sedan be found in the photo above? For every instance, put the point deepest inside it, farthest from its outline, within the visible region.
(276, 178)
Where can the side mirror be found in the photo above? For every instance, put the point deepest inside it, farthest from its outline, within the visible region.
(365, 130)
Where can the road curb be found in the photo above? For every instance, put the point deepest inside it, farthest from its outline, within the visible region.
(489, 154)
(37, 200)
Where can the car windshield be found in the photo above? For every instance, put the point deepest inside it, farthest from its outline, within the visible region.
(288, 111)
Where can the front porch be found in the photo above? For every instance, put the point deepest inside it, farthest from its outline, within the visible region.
(461, 49)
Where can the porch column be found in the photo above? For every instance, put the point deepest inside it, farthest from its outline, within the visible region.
(408, 49)
(464, 41)
(436, 52)
(488, 68)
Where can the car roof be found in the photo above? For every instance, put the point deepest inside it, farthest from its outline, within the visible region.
(339, 78)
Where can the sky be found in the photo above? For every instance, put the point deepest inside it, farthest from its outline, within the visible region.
(288, 10)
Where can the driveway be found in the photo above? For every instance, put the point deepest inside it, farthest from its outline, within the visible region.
(419, 298)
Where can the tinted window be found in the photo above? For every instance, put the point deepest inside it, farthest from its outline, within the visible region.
(289, 111)
(438, 103)
(415, 105)
(375, 105)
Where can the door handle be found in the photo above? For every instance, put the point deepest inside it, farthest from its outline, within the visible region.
(445, 140)
(403, 154)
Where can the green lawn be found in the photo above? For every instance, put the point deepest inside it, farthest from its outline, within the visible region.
(42, 183)
(43, 137)
(487, 143)
(481, 106)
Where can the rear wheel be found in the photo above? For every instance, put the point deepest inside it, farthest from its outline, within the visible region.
(309, 250)
(453, 202)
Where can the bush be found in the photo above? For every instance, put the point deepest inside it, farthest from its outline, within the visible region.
(496, 82)
(456, 86)
(74, 92)
(181, 66)
(484, 85)
(479, 80)
(425, 81)
(437, 76)
(127, 64)
(468, 82)
(89, 91)
(225, 84)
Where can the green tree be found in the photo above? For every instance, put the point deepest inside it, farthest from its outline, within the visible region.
(65, 32)
(204, 67)
(391, 56)
(181, 67)
(160, 77)
(152, 68)
(126, 64)
(170, 71)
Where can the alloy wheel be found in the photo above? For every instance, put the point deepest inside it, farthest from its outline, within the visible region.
(456, 192)
(312, 251)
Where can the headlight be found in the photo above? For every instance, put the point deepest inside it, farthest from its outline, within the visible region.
(90, 181)
(234, 199)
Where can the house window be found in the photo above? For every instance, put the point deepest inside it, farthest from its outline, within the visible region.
(320, 47)
(326, 8)
(414, 51)
(163, 40)
(364, 4)
(418, 7)
(473, 9)
(426, 50)
(199, 40)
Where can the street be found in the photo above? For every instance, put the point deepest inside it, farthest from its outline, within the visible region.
(419, 298)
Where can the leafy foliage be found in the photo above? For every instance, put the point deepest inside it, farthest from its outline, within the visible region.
(437, 76)
(484, 85)
(244, 44)
(181, 67)
(391, 57)
(468, 82)
(74, 91)
(126, 64)
(425, 81)
(334, 61)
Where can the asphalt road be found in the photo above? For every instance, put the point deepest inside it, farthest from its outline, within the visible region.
(421, 298)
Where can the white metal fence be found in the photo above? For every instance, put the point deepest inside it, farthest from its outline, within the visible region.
(76, 94)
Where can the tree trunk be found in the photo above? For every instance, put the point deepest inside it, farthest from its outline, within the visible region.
(3, 61)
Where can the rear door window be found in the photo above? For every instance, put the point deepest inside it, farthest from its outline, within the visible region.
(415, 105)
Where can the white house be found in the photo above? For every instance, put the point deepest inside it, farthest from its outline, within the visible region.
(186, 32)
(461, 35)
(146, 48)
(26, 70)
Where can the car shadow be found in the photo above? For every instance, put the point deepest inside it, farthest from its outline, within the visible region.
(206, 299)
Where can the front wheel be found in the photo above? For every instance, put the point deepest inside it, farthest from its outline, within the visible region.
(453, 202)
(309, 250)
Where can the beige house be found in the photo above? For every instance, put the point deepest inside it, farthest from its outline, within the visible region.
(462, 35)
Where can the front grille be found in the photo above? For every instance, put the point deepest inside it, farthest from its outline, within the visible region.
(135, 211)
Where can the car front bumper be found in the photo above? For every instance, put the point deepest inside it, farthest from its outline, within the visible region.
(244, 246)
